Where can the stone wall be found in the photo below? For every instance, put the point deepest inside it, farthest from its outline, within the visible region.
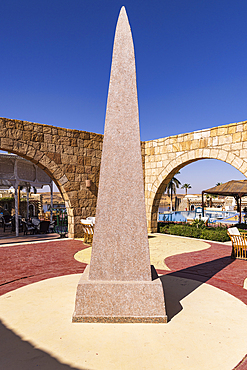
(69, 157)
(165, 157)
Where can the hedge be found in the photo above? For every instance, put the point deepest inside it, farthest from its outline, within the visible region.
(200, 231)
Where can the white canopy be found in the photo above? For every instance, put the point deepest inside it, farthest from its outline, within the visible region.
(16, 171)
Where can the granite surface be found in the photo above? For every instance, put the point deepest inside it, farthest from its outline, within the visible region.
(121, 227)
(119, 301)
(119, 282)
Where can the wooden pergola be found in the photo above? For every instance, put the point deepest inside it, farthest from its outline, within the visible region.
(233, 188)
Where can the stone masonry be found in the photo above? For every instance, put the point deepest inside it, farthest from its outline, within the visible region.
(70, 157)
(165, 157)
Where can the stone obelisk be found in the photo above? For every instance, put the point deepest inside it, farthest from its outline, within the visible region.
(117, 287)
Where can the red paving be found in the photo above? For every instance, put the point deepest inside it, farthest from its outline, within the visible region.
(25, 264)
(213, 266)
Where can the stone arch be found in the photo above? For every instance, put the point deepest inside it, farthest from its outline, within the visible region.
(157, 188)
(43, 161)
(69, 157)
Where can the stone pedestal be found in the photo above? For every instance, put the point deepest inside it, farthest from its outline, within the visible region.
(119, 301)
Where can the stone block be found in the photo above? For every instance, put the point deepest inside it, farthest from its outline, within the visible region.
(205, 134)
(230, 157)
(10, 124)
(30, 153)
(243, 153)
(70, 168)
(213, 132)
(176, 147)
(62, 132)
(231, 129)
(47, 138)
(26, 136)
(243, 168)
(237, 162)
(119, 301)
(47, 129)
(222, 130)
(236, 137)
(239, 127)
(38, 128)
(244, 135)
(237, 146)
(44, 147)
(45, 161)
(14, 134)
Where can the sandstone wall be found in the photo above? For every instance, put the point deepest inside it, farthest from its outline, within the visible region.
(69, 157)
(164, 157)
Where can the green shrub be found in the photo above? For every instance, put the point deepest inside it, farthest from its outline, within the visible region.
(197, 230)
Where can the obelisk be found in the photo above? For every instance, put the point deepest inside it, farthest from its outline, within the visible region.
(117, 286)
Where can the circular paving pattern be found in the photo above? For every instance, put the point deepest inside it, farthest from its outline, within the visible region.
(207, 330)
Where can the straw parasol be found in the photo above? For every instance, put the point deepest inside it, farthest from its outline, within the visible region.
(235, 188)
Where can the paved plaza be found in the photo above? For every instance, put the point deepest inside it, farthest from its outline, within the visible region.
(205, 302)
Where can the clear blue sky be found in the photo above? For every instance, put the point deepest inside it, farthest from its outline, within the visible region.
(190, 55)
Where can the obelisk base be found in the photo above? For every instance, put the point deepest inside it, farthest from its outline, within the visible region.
(119, 301)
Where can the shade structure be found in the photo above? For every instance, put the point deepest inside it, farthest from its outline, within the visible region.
(230, 188)
(234, 188)
(16, 171)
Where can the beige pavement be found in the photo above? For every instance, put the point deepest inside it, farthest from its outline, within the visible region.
(208, 330)
(161, 247)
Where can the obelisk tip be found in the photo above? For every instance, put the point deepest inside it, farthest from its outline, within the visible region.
(122, 11)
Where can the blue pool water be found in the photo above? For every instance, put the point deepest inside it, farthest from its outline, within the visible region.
(182, 216)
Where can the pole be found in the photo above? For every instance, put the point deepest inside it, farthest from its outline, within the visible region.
(202, 205)
(19, 198)
(240, 218)
(51, 187)
(27, 189)
(16, 210)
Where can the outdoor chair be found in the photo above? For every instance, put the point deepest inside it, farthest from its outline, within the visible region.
(44, 227)
(19, 223)
(36, 224)
(87, 226)
(52, 226)
(6, 220)
(91, 219)
(239, 243)
(28, 228)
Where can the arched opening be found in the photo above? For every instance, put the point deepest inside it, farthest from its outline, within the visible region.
(208, 171)
(23, 184)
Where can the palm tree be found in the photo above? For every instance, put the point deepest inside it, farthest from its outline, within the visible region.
(186, 187)
(171, 187)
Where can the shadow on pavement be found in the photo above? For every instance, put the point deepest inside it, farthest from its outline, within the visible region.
(176, 289)
(17, 353)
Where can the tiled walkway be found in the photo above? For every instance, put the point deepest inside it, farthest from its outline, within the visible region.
(213, 266)
(9, 237)
(25, 264)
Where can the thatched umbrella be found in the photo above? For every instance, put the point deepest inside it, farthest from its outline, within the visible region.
(235, 188)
